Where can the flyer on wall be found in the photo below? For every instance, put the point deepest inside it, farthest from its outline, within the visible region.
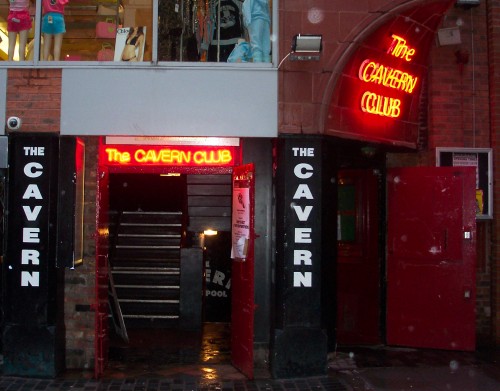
(240, 223)
(130, 43)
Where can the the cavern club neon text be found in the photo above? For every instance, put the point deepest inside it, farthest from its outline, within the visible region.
(172, 156)
(380, 74)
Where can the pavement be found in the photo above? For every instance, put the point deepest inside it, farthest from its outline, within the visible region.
(376, 368)
(382, 368)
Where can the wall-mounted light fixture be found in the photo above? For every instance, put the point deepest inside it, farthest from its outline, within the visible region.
(305, 47)
(307, 43)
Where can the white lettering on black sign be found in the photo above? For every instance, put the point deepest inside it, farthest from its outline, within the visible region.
(302, 235)
(31, 232)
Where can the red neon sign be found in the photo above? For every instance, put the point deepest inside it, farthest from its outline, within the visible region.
(382, 105)
(140, 155)
(372, 72)
(400, 49)
(379, 74)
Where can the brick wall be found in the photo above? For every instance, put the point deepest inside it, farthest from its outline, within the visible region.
(459, 117)
(493, 8)
(459, 102)
(79, 285)
(35, 97)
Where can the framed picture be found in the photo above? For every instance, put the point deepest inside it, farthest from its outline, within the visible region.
(481, 158)
(129, 45)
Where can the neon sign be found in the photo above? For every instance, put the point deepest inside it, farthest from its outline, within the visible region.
(140, 155)
(400, 49)
(372, 72)
(386, 76)
(382, 105)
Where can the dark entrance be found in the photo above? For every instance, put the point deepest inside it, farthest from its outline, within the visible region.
(172, 282)
(358, 257)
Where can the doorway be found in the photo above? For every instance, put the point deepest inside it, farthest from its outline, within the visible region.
(170, 301)
(358, 257)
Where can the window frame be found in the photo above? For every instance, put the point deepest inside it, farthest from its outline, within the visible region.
(37, 63)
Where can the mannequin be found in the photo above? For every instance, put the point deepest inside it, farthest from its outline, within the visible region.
(18, 23)
(53, 26)
(257, 19)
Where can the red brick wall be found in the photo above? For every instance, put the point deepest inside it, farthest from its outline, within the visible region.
(35, 96)
(459, 117)
(459, 102)
(493, 8)
(79, 289)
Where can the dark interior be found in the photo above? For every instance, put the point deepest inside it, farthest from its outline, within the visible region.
(168, 343)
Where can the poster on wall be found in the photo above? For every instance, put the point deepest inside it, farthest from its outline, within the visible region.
(241, 220)
(130, 41)
(481, 159)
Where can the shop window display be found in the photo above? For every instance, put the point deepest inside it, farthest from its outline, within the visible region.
(16, 29)
(122, 30)
(214, 30)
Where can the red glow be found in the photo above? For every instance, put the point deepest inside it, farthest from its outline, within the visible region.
(400, 49)
(381, 105)
(386, 76)
(140, 155)
(372, 72)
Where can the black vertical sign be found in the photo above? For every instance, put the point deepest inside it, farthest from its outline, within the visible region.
(299, 342)
(30, 291)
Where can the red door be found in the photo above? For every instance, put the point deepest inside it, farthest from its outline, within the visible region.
(431, 257)
(101, 306)
(242, 275)
(358, 258)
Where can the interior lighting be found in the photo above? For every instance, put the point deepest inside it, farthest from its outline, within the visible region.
(210, 232)
(4, 46)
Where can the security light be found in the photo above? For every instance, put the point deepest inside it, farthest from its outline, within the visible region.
(307, 43)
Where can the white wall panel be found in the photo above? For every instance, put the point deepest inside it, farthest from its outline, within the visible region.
(170, 102)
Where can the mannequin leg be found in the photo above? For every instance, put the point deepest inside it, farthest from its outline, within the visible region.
(57, 46)
(47, 43)
(23, 39)
(12, 44)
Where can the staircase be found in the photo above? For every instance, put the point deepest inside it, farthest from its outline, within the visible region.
(145, 266)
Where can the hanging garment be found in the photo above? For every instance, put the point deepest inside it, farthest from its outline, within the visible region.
(227, 28)
(257, 19)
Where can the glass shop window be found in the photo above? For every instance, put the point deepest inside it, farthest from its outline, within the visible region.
(214, 30)
(17, 29)
(236, 31)
(96, 30)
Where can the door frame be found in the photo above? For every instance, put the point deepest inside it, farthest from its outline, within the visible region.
(242, 274)
(103, 170)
